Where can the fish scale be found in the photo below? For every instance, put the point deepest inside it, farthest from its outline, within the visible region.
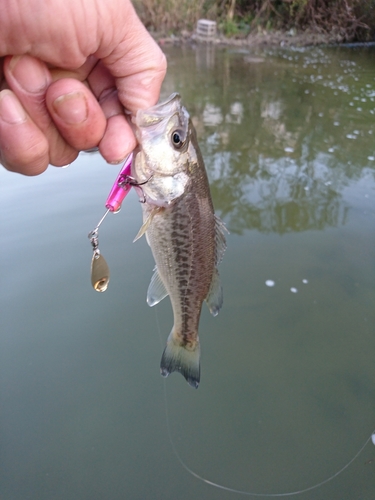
(186, 238)
(187, 284)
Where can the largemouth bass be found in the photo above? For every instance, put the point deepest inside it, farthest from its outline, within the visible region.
(186, 237)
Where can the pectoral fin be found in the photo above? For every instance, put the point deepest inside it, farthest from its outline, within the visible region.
(214, 297)
(147, 222)
(156, 290)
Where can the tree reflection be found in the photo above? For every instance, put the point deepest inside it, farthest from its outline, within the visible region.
(281, 135)
(276, 203)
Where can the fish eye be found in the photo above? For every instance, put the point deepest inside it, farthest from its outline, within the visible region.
(177, 139)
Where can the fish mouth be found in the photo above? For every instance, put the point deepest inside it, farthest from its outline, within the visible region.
(157, 113)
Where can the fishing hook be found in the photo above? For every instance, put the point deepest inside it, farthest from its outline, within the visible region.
(131, 181)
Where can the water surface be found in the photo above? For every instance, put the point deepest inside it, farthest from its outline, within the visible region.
(288, 388)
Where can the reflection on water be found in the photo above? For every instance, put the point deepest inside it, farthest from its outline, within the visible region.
(288, 387)
(284, 134)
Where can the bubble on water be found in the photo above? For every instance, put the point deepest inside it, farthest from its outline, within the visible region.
(321, 115)
(351, 104)
(351, 136)
(336, 124)
(330, 150)
(359, 109)
(270, 283)
(288, 149)
(305, 281)
(293, 290)
(356, 132)
(371, 158)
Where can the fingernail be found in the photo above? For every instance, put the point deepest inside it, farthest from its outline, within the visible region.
(116, 162)
(30, 73)
(72, 108)
(11, 110)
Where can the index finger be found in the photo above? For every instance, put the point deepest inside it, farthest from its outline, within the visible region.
(138, 65)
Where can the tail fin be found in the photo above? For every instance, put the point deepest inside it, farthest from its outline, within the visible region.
(182, 359)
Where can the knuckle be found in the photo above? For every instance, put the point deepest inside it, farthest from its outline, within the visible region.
(162, 63)
(64, 158)
(29, 159)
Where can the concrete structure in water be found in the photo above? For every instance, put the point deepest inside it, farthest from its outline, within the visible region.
(206, 30)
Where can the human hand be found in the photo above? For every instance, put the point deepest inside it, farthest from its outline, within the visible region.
(76, 65)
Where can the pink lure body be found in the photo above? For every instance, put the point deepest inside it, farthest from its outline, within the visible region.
(120, 188)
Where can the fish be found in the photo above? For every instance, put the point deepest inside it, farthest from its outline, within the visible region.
(187, 239)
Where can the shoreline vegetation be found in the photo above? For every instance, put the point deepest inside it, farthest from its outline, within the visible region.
(258, 23)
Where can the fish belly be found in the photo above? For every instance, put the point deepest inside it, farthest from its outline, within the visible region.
(182, 240)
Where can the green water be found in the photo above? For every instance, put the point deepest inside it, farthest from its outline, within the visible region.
(287, 394)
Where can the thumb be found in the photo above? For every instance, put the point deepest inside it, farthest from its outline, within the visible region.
(137, 63)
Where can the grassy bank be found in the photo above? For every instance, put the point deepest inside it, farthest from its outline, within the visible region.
(341, 20)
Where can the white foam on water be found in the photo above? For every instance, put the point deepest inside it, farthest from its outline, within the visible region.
(270, 283)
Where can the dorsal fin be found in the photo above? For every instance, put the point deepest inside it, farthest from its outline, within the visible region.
(214, 297)
(221, 243)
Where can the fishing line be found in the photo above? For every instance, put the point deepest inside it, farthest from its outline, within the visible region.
(235, 490)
